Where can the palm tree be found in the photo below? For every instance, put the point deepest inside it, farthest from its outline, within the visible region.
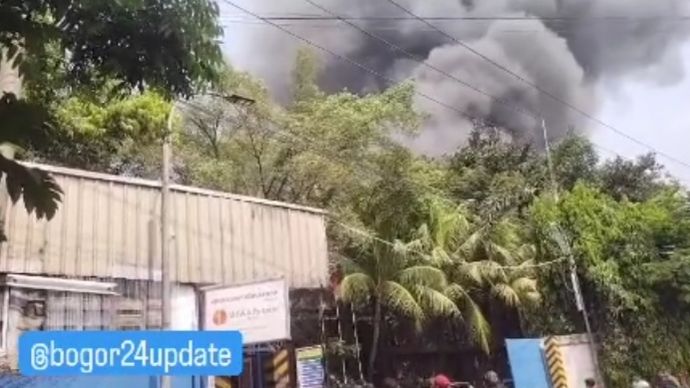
(38, 190)
(386, 276)
(475, 259)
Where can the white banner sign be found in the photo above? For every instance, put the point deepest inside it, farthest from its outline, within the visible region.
(259, 310)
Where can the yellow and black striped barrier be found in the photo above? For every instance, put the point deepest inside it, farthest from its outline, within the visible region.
(555, 363)
(277, 371)
(222, 382)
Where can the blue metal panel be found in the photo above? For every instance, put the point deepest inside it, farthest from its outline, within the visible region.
(15, 381)
(527, 363)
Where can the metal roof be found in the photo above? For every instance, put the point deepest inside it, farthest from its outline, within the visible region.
(108, 226)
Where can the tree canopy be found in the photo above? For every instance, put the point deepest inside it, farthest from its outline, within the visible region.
(456, 251)
(57, 47)
(171, 46)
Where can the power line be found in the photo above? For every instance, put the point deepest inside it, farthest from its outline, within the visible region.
(430, 98)
(307, 145)
(360, 66)
(329, 156)
(487, 223)
(308, 17)
(463, 113)
(421, 61)
(349, 60)
(359, 231)
(382, 27)
(536, 87)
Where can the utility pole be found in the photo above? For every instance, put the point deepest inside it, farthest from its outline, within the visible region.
(166, 307)
(558, 235)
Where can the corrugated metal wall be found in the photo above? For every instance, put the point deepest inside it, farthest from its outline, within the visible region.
(107, 226)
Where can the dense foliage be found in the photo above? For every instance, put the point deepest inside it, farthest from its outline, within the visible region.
(461, 243)
(59, 47)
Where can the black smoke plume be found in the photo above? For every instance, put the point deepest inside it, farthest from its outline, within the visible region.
(565, 47)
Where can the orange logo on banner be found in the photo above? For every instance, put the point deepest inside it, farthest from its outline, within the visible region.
(220, 317)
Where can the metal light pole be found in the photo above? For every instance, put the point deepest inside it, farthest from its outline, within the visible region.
(166, 305)
(165, 228)
(558, 235)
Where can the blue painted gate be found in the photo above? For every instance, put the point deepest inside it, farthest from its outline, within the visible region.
(527, 363)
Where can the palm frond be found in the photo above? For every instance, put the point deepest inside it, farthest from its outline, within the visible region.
(387, 261)
(366, 264)
(532, 298)
(480, 329)
(351, 266)
(524, 269)
(421, 238)
(435, 302)
(400, 248)
(524, 284)
(396, 297)
(505, 294)
(357, 288)
(439, 257)
(486, 271)
(448, 228)
(501, 254)
(39, 191)
(456, 292)
(477, 324)
(527, 252)
(505, 233)
(527, 290)
(471, 272)
(425, 275)
(471, 244)
(416, 245)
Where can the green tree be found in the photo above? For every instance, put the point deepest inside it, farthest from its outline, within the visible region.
(318, 152)
(164, 45)
(161, 44)
(491, 173)
(305, 78)
(627, 253)
(110, 136)
(574, 160)
(386, 277)
(636, 180)
(475, 257)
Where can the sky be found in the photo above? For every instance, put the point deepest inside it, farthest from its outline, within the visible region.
(654, 114)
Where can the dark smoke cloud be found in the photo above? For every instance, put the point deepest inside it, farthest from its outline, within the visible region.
(568, 48)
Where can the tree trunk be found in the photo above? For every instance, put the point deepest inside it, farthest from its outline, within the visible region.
(374, 340)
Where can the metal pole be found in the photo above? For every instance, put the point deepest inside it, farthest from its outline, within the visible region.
(166, 307)
(579, 301)
(574, 278)
(549, 162)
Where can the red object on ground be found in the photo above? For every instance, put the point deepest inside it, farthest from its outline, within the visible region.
(441, 381)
